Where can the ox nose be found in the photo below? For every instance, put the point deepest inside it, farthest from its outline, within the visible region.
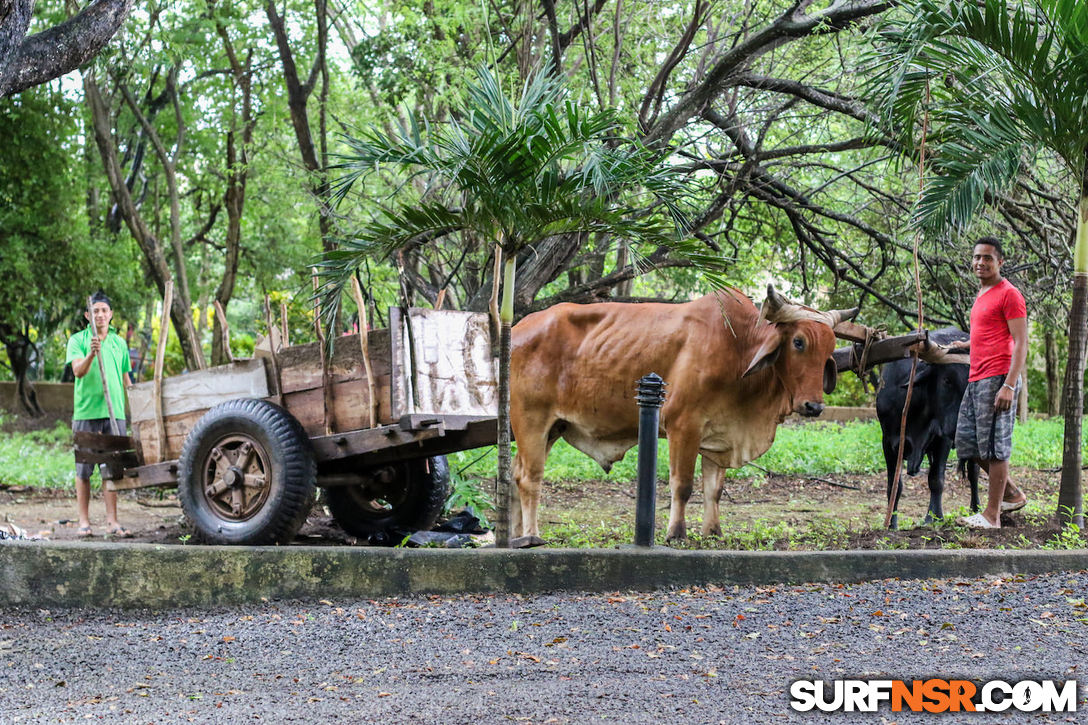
(812, 409)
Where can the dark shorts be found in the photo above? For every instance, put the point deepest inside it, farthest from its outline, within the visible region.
(981, 431)
(95, 425)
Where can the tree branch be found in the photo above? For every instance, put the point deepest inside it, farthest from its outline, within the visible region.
(26, 62)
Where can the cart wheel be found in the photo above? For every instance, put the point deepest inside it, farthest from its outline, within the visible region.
(405, 496)
(246, 474)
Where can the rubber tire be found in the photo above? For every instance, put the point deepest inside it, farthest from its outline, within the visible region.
(292, 477)
(425, 496)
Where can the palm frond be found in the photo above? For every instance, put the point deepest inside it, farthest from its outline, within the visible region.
(1006, 77)
(520, 171)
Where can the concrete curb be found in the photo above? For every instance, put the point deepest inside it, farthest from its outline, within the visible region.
(97, 574)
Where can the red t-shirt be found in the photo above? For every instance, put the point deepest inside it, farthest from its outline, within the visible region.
(991, 341)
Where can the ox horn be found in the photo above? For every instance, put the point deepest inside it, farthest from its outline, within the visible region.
(776, 308)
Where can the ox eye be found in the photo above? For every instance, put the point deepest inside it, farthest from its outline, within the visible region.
(799, 344)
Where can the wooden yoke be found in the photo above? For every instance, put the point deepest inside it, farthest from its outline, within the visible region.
(865, 352)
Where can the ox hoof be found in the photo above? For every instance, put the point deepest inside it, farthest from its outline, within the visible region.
(716, 531)
(676, 538)
(526, 542)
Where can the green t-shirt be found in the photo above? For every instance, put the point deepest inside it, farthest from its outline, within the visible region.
(90, 403)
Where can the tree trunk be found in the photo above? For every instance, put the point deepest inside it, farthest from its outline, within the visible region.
(1070, 495)
(1053, 388)
(234, 198)
(314, 155)
(150, 245)
(19, 348)
(505, 479)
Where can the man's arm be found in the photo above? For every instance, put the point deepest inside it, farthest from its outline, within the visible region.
(82, 365)
(1018, 328)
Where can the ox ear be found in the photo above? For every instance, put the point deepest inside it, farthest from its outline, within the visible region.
(765, 356)
(831, 376)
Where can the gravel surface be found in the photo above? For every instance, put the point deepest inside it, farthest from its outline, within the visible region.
(713, 655)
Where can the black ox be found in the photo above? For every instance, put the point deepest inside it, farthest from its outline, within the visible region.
(931, 422)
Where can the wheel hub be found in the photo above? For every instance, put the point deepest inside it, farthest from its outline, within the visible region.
(235, 478)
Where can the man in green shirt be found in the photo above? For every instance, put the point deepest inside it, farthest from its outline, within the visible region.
(91, 413)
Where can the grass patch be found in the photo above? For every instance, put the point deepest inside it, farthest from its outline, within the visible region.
(40, 459)
(816, 448)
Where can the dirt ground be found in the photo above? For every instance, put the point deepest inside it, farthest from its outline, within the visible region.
(766, 512)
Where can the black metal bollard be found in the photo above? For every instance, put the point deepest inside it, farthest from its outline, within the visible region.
(651, 396)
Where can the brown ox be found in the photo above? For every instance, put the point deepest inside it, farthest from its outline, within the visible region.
(733, 373)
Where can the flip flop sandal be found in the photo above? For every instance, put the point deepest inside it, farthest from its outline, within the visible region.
(1007, 507)
(975, 521)
(84, 531)
(120, 532)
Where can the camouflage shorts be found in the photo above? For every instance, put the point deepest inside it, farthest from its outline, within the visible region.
(981, 431)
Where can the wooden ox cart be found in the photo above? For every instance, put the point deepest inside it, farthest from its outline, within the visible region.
(248, 443)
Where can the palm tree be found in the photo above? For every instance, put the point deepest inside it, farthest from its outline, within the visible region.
(514, 173)
(1003, 80)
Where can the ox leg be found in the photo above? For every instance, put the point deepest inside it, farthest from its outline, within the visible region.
(683, 450)
(969, 470)
(938, 464)
(713, 485)
(528, 475)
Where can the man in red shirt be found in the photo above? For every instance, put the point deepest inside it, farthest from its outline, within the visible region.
(999, 349)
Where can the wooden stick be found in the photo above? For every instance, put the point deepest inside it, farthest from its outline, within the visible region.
(160, 357)
(284, 331)
(272, 351)
(326, 383)
(225, 328)
(102, 367)
(893, 494)
(364, 345)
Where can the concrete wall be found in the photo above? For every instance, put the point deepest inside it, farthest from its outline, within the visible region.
(837, 414)
(54, 398)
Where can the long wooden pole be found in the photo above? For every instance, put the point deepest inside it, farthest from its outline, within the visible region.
(326, 376)
(364, 345)
(225, 329)
(102, 367)
(272, 350)
(160, 359)
(893, 494)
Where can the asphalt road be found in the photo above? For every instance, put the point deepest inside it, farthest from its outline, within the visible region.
(714, 655)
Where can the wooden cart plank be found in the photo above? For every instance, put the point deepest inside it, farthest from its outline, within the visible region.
(417, 421)
(121, 459)
(102, 441)
(177, 428)
(300, 366)
(201, 390)
(360, 442)
(159, 475)
(476, 434)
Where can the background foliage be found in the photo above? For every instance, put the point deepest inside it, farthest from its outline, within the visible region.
(226, 120)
